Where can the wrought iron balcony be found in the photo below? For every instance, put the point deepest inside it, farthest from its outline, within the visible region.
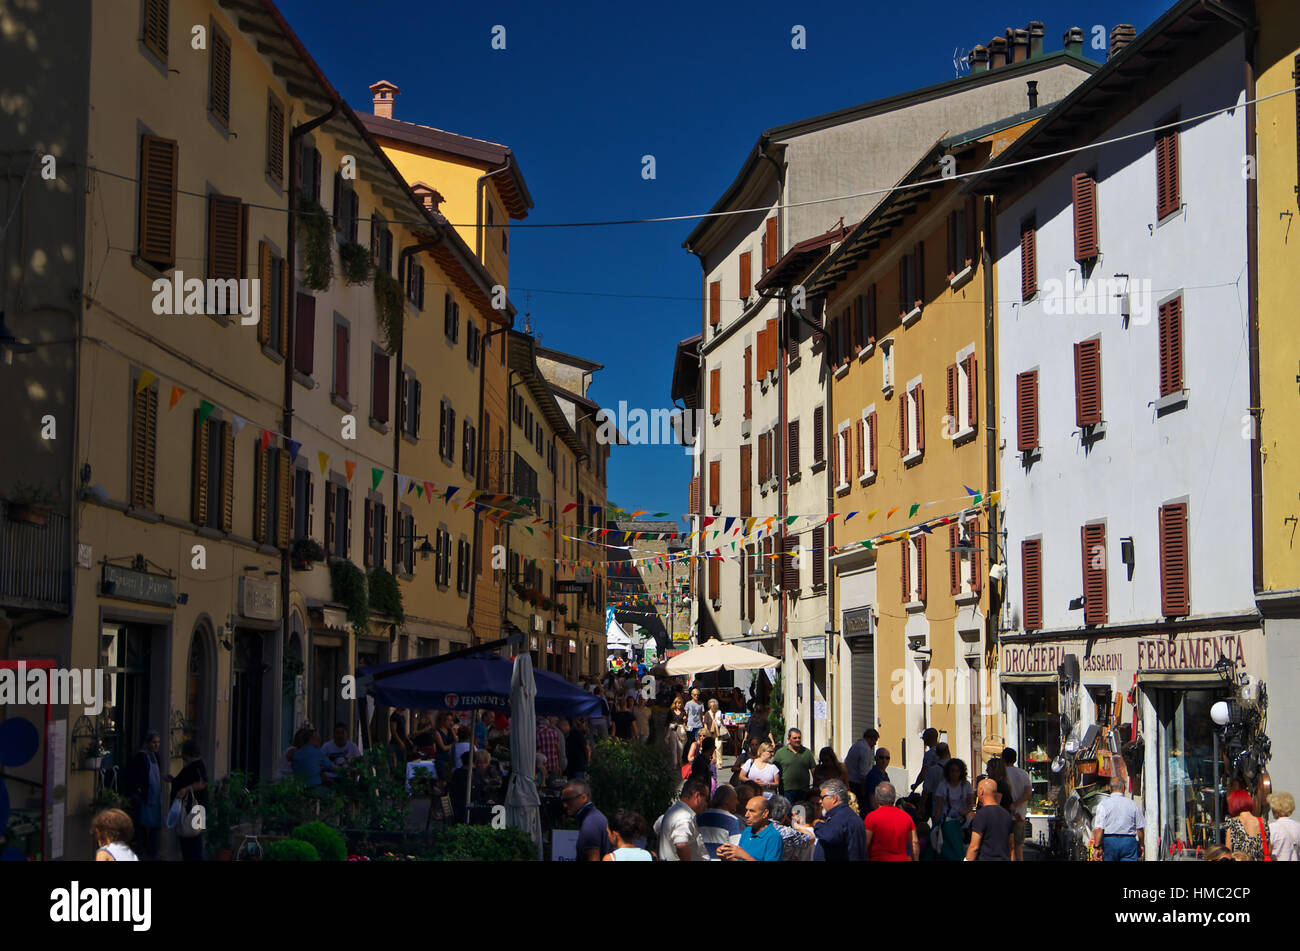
(35, 569)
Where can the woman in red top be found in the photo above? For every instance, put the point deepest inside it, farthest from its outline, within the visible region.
(891, 835)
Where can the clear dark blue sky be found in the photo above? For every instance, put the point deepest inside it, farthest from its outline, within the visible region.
(584, 90)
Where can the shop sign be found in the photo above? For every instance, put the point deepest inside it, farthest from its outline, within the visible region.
(119, 582)
(813, 648)
(259, 599)
(572, 587)
(857, 623)
(1189, 651)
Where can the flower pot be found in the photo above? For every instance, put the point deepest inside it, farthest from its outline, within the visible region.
(301, 564)
(31, 514)
(92, 762)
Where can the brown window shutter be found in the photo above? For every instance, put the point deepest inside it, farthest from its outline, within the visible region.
(259, 493)
(1171, 346)
(715, 303)
(159, 159)
(199, 485)
(954, 561)
(331, 518)
(769, 550)
(769, 359)
(156, 17)
(976, 575)
(789, 567)
(818, 557)
(1027, 411)
(920, 417)
(1174, 589)
(904, 269)
(224, 219)
(367, 532)
(972, 231)
(792, 446)
(872, 425)
(952, 397)
(952, 245)
(749, 392)
(746, 479)
(870, 329)
(764, 256)
(275, 140)
(1084, 189)
(905, 551)
(715, 578)
(219, 79)
(855, 334)
(760, 354)
(341, 360)
(861, 446)
(920, 568)
(144, 440)
(284, 492)
(227, 477)
(773, 247)
(304, 338)
(715, 391)
(264, 265)
(1094, 577)
(746, 275)
(1087, 382)
(903, 407)
(286, 285)
(715, 483)
(751, 568)
(1031, 574)
(819, 434)
(693, 496)
(972, 392)
(1168, 198)
(918, 265)
(835, 460)
(1028, 259)
(846, 335)
(379, 395)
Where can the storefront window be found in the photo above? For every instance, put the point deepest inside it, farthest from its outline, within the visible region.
(1039, 743)
(125, 655)
(1186, 759)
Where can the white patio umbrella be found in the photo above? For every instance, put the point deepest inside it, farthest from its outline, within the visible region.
(523, 805)
(719, 655)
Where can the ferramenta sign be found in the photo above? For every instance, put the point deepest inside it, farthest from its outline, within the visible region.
(1184, 652)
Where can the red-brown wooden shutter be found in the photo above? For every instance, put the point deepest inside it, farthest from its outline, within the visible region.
(715, 483)
(199, 483)
(746, 484)
(379, 394)
(818, 557)
(835, 459)
(693, 496)
(972, 231)
(918, 265)
(1174, 589)
(159, 159)
(156, 16)
(746, 275)
(749, 383)
(872, 425)
(773, 245)
(1094, 575)
(715, 391)
(904, 406)
(1168, 198)
(715, 303)
(751, 569)
(275, 140)
(920, 568)
(259, 493)
(919, 395)
(905, 551)
(768, 360)
(1084, 189)
(792, 446)
(341, 360)
(715, 578)
(952, 399)
(1031, 574)
(219, 78)
(144, 444)
(1087, 382)
(972, 393)
(265, 261)
(1027, 411)
(227, 477)
(284, 493)
(819, 434)
(224, 219)
(304, 336)
(862, 447)
(286, 288)
(976, 576)
(1028, 260)
(1171, 346)
(870, 330)
(790, 567)
(954, 561)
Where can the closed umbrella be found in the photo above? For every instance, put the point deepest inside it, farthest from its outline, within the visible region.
(719, 655)
(523, 805)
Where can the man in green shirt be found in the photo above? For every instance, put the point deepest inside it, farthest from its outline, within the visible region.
(796, 764)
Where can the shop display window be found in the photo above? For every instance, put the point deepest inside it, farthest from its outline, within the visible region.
(1040, 744)
(1186, 762)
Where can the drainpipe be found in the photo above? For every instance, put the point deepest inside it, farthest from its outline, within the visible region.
(480, 186)
(510, 441)
(990, 419)
(481, 534)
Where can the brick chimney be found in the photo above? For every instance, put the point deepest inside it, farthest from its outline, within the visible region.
(1031, 88)
(1037, 29)
(385, 93)
(1073, 40)
(997, 52)
(1019, 42)
(1120, 37)
(979, 59)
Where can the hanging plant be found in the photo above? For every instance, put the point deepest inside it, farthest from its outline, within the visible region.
(348, 588)
(385, 595)
(316, 232)
(547, 604)
(570, 625)
(389, 307)
(355, 259)
(562, 609)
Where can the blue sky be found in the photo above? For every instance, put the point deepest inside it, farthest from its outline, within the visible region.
(583, 90)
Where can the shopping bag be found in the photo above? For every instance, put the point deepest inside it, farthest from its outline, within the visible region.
(174, 813)
(194, 821)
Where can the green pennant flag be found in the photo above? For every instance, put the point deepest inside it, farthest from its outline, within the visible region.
(419, 491)
(376, 476)
(530, 530)
(977, 499)
(205, 410)
(912, 510)
(660, 515)
(790, 519)
(868, 544)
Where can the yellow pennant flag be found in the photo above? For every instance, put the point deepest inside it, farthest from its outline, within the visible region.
(324, 458)
(145, 379)
(872, 514)
(994, 496)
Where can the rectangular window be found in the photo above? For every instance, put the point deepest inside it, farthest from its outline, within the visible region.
(1027, 411)
(871, 436)
(792, 447)
(469, 451)
(213, 474)
(1094, 574)
(379, 395)
(274, 139)
(715, 303)
(819, 557)
(911, 421)
(1084, 192)
(159, 159)
(144, 444)
(227, 243)
(341, 361)
(1168, 194)
(715, 391)
(273, 273)
(1028, 258)
(474, 343)
(451, 318)
(303, 502)
(410, 396)
(715, 484)
(447, 432)
(156, 15)
(271, 488)
(745, 478)
(819, 435)
(1174, 588)
(219, 78)
(415, 284)
(749, 384)
(843, 447)
(304, 337)
(310, 173)
(1031, 571)
(338, 519)
(1087, 382)
(746, 275)
(1170, 332)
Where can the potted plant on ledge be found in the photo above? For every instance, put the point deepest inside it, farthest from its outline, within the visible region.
(29, 503)
(305, 553)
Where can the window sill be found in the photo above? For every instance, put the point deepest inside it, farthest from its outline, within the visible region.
(413, 440)
(914, 607)
(342, 402)
(913, 457)
(842, 488)
(793, 364)
(380, 426)
(964, 435)
(888, 390)
(867, 351)
(911, 317)
(967, 597)
(304, 380)
(867, 479)
(717, 419)
(841, 370)
(1090, 434)
(961, 277)
(272, 354)
(1175, 400)
(1031, 455)
(818, 466)
(150, 271)
(144, 515)
(793, 477)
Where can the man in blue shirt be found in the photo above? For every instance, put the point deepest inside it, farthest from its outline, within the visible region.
(760, 842)
(310, 764)
(841, 837)
(593, 829)
(719, 822)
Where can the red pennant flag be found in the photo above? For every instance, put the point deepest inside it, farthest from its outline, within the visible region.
(266, 439)
(350, 467)
(569, 508)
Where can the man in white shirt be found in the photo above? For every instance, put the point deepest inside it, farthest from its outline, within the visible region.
(1118, 826)
(340, 749)
(859, 760)
(1021, 786)
(679, 830)
(694, 716)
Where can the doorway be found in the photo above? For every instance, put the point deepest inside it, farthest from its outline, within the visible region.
(246, 703)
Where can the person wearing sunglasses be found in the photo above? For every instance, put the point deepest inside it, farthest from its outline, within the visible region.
(593, 829)
(875, 776)
(840, 834)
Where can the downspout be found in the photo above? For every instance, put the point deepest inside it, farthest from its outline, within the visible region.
(510, 441)
(478, 198)
(695, 568)
(991, 427)
(484, 435)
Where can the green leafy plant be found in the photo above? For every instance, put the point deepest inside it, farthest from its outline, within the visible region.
(485, 844)
(306, 550)
(282, 805)
(27, 494)
(385, 594)
(111, 799)
(375, 796)
(316, 236)
(631, 776)
(230, 802)
(390, 307)
(290, 850)
(547, 604)
(355, 259)
(348, 588)
(328, 843)
(570, 625)
(561, 609)
(776, 715)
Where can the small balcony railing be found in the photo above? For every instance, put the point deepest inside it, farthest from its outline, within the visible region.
(35, 570)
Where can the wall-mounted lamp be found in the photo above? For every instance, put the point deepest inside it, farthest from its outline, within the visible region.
(1077, 604)
(1126, 555)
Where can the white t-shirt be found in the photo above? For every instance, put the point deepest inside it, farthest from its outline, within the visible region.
(677, 827)
(335, 753)
(763, 773)
(951, 800)
(1284, 839)
(1020, 784)
(121, 852)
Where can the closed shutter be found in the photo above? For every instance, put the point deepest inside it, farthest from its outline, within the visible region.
(903, 406)
(219, 78)
(304, 338)
(715, 483)
(789, 564)
(819, 434)
(862, 690)
(760, 355)
(341, 360)
(746, 483)
(156, 16)
(769, 360)
(861, 447)
(953, 226)
(835, 461)
(954, 561)
(1085, 217)
(715, 303)
(749, 394)
(1168, 199)
(972, 393)
(792, 446)
(1171, 346)
(224, 219)
(952, 407)
(905, 575)
(1031, 575)
(286, 288)
(227, 477)
(920, 568)
(972, 231)
(872, 456)
(715, 391)
(746, 275)
(1174, 589)
(1087, 382)
(870, 316)
(259, 493)
(762, 458)
(368, 532)
(693, 496)
(976, 575)
(284, 492)
(855, 336)
(159, 159)
(919, 402)
(833, 342)
(773, 248)
(1027, 411)
(379, 397)
(715, 578)
(1028, 260)
(199, 485)
(769, 557)
(918, 269)
(144, 445)
(337, 207)
(264, 265)
(403, 401)
(819, 557)
(275, 140)
(846, 336)
(751, 568)
(354, 215)
(1094, 574)
(331, 517)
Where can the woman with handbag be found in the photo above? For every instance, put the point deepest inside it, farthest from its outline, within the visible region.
(144, 779)
(714, 727)
(191, 787)
(954, 802)
(677, 730)
(1246, 831)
